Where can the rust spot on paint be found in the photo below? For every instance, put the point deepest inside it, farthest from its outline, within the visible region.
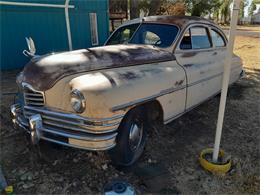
(188, 65)
(44, 72)
(189, 54)
(151, 71)
(128, 75)
(178, 83)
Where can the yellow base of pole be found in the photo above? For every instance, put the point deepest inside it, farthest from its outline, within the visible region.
(9, 190)
(211, 166)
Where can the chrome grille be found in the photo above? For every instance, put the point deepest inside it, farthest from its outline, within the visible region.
(32, 97)
(32, 119)
(72, 123)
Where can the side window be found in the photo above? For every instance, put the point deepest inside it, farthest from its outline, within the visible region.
(186, 41)
(217, 38)
(199, 38)
(195, 38)
(151, 38)
(123, 34)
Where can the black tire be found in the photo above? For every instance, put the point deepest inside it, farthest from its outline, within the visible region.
(127, 151)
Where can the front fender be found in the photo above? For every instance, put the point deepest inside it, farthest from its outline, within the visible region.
(111, 92)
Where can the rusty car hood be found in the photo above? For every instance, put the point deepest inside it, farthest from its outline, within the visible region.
(43, 72)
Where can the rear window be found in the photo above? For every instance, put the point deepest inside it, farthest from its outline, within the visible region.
(199, 38)
(217, 38)
(195, 38)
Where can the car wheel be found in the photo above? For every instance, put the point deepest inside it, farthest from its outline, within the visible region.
(131, 138)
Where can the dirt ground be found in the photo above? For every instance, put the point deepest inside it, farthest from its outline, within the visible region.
(251, 28)
(170, 161)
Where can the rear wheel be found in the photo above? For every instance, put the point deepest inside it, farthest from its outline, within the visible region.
(131, 138)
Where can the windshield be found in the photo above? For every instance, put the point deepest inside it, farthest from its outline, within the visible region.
(160, 35)
(123, 34)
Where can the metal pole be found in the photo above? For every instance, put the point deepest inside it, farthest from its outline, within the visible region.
(226, 75)
(68, 24)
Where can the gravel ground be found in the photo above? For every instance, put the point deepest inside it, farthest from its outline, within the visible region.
(170, 162)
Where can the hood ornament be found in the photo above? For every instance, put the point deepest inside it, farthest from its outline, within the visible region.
(31, 48)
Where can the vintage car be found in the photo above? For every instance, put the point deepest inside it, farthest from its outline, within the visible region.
(105, 98)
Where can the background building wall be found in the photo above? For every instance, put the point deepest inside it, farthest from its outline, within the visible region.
(47, 27)
(256, 18)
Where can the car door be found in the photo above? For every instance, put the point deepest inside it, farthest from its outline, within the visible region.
(203, 64)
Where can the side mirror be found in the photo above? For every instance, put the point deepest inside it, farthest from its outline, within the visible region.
(31, 47)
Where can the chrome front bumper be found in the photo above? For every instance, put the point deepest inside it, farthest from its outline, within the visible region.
(66, 129)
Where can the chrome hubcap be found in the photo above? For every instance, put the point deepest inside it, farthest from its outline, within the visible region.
(135, 136)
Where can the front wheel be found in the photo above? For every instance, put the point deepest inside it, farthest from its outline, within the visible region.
(131, 138)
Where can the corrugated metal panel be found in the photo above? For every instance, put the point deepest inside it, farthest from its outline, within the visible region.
(80, 22)
(47, 27)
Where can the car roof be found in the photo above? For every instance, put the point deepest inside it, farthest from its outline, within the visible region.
(180, 21)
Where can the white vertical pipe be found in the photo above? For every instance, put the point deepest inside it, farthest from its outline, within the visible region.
(68, 23)
(226, 75)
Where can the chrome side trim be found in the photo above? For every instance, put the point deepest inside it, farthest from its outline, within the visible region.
(143, 100)
(164, 92)
(194, 106)
(205, 79)
(211, 77)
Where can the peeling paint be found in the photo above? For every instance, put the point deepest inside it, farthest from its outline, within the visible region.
(178, 83)
(44, 72)
(189, 54)
(128, 75)
(188, 65)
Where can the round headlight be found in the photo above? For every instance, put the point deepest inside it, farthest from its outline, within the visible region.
(77, 101)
